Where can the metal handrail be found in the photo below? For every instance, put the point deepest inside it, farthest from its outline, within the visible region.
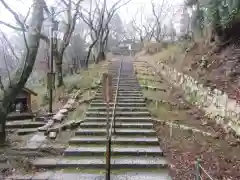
(200, 170)
(109, 129)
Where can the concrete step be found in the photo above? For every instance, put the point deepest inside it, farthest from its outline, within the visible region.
(26, 131)
(122, 100)
(23, 124)
(120, 119)
(128, 85)
(130, 92)
(128, 88)
(126, 109)
(114, 85)
(123, 97)
(118, 113)
(115, 140)
(99, 150)
(95, 175)
(125, 82)
(122, 94)
(97, 124)
(100, 91)
(119, 104)
(89, 162)
(20, 116)
(119, 131)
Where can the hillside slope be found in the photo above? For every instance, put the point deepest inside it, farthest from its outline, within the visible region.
(211, 66)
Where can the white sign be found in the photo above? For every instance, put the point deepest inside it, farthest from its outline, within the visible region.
(130, 47)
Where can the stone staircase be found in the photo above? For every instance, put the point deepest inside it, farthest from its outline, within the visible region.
(23, 127)
(136, 154)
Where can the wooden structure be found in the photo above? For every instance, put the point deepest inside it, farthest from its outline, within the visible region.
(24, 97)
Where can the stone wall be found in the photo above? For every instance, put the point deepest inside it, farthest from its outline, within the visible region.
(216, 103)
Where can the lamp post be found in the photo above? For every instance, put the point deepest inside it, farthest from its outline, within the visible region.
(51, 74)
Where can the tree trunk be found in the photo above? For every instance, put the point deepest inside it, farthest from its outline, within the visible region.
(101, 53)
(71, 71)
(59, 75)
(58, 57)
(89, 52)
(3, 116)
(100, 57)
(10, 91)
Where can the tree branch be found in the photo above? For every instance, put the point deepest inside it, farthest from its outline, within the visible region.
(15, 15)
(11, 26)
(10, 46)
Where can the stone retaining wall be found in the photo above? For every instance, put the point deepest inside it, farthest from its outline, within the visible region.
(216, 103)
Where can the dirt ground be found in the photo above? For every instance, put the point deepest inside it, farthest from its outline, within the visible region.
(218, 154)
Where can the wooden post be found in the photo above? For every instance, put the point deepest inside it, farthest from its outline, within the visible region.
(107, 87)
(107, 94)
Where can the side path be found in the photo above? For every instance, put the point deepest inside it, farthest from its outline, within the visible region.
(136, 154)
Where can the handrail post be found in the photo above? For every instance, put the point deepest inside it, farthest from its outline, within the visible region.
(107, 120)
(197, 175)
(108, 159)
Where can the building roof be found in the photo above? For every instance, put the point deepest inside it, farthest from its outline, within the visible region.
(127, 41)
(29, 91)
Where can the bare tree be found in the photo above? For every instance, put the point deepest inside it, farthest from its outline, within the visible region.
(89, 17)
(153, 26)
(9, 91)
(159, 12)
(145, 27)
(71, 8)
(97, 17)
(72, 14)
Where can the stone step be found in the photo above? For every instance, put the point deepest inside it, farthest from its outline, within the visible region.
(119, 131)
(123, 97)
(20, 116)
(121, 94)
(97, 175)
(26, 131)
(129, 92)
(126, 86)
(131, 109)
(119, 104)
(114, 85)
(127, 77)
(115, 140)
(128, 89)
(120, 119)
(99, 150)
(118, 113)
(97, 124)
(23, 124)
(127, 81)
(121, 101)
(129, 85)
(117, 162)
(100, 91)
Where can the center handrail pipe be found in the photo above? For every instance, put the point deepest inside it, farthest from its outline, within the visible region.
(112, 128)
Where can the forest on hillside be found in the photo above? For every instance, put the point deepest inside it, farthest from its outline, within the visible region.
(218, 19)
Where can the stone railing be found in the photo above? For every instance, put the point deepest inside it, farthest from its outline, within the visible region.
(216, 103)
